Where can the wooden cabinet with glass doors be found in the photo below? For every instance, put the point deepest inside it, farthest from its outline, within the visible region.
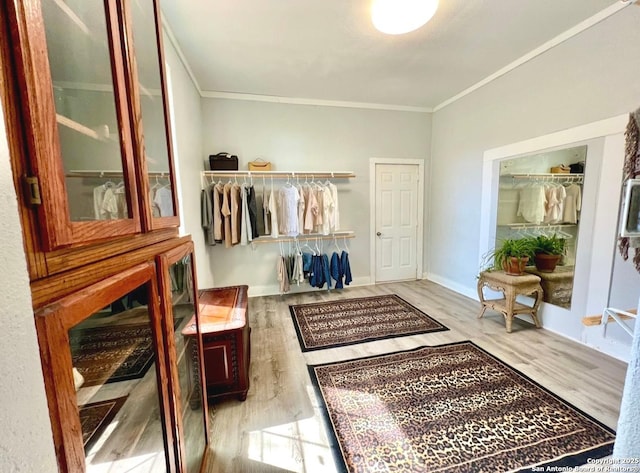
(93, 111)
(83, 90)
(117, 372)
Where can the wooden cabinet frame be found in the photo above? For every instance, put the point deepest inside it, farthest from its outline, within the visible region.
(41, 129)
(148, 221)
(53, 323)
(164, 261)
(39, 123)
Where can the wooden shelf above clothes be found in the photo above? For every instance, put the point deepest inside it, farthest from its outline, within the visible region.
(280, 174)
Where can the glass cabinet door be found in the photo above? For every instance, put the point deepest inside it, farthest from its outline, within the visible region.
(151, 108)
(178, 296)
(75, 102)
(106, 377)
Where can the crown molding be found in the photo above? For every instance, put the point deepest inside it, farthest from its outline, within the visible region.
(561, 38)
(318, 102)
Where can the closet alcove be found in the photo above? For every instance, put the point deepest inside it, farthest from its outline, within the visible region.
(598, 225)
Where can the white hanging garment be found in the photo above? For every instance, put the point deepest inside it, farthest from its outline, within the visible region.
(288, 198)
(531, 204)
(572, 203)
(334, 215)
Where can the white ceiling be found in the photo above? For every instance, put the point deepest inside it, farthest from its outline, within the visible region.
(328, 49)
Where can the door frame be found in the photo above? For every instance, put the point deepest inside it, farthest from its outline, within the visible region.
(373, 162)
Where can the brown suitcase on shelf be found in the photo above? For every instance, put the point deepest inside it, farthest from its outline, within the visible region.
(223, 162)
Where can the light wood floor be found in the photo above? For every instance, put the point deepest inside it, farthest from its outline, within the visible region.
(279, 427)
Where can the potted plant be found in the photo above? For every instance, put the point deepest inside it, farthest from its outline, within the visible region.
(513, 255)
(548, 251)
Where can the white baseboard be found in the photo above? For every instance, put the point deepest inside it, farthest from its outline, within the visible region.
(603, 345)
(274, 289)
(454, 286)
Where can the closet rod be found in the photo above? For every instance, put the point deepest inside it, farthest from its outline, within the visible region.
(282, 174)
(97, 173)
(339, 235)
(547, 175)
(518, 226)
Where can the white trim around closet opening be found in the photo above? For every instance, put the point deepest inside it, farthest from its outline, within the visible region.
(491, 158)
(603, 189)
(372, 214)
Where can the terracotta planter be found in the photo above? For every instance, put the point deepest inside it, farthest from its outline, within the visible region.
(514, 266)
(546, 263)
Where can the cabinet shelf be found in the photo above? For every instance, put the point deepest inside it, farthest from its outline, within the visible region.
(72, 16)
(102, 135)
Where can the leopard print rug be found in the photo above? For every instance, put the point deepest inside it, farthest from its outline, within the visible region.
(349, 321)
(450, 408)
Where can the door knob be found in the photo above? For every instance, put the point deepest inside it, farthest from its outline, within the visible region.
(379, 234)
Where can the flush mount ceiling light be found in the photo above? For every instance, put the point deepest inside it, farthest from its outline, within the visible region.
(401, 16)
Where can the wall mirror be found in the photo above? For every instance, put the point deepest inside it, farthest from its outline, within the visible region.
(541, 195)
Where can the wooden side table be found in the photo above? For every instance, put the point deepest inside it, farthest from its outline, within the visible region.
(511, 287)
(226, 341)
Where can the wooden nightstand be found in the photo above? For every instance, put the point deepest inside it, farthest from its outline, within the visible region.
(511, 287)
(225, 341)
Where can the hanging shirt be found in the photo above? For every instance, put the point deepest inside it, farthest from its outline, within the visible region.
(301, 209)
(109, 206)
(346, 268)
(245, 221)
(155, 210)
(266, 212)
(334, 215)
(164, 200)
(236, 213)
(259, 214)
(253, 211)
(327, 211)
(98, 197)
(336, 270)
(273, 214)
(318, 192)
(218, 218)
(121, 201)
(311, 209)
(206, 215)
(572, 204)
(531, 204)
(283, 277)
(288, 198)
(226, 214)
(555, 195)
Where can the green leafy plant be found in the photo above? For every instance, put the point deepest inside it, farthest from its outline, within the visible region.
(550, 245)
(521, 248)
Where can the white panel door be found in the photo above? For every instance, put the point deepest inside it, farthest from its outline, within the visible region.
(396, 221)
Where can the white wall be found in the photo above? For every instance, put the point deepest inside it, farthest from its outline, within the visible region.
(186, 117)
(26, 444)
(588, 78)
(305, 138)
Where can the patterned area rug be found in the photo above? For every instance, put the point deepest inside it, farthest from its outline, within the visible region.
(96, 416)
(113, 353)
(450, 408)
(350, 321)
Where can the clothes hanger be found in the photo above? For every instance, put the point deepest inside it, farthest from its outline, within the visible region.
(335, 241)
